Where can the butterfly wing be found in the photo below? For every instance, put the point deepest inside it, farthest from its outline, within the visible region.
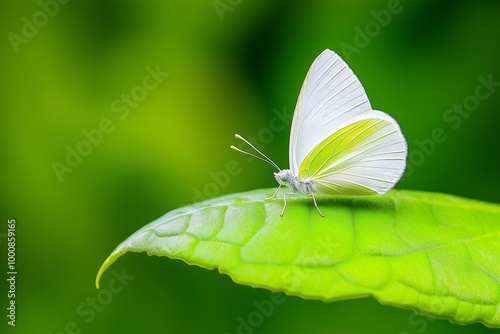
(365, 157)
(330, 96)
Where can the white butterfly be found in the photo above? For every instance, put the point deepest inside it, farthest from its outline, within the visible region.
(338, 144)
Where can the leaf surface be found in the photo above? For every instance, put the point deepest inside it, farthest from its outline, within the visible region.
(436, 254)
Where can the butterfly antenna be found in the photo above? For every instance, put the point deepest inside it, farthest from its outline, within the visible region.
(263, 158)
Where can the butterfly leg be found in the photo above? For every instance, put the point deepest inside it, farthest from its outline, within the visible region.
(284, 202)
(273, 196)
(316, 205)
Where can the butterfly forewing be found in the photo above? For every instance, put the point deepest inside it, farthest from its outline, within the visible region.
(330, 96)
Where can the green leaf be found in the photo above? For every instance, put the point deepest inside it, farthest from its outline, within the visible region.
(436, 254)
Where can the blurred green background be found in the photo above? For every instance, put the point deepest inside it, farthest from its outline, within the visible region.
(67, 69)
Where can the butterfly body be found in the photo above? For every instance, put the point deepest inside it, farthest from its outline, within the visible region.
(339, 145)
(286, 178)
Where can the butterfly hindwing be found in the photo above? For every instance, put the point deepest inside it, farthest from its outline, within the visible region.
(366, 156)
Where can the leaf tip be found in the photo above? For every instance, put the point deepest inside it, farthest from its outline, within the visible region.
(106, 264)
